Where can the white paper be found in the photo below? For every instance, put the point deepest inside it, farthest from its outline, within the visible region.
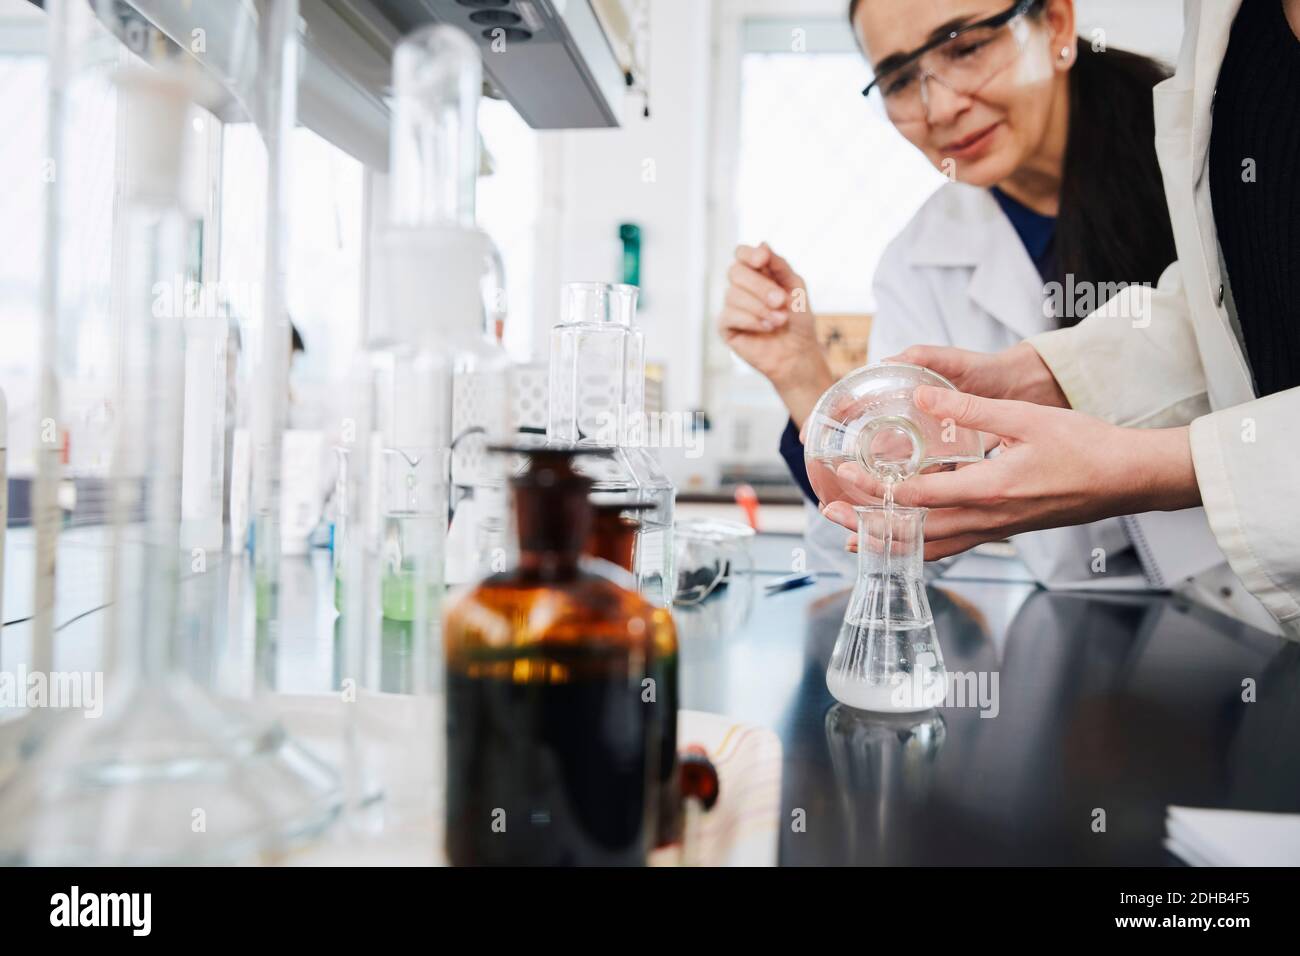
(1205, 837)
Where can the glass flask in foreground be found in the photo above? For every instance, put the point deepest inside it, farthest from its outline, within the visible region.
(167, 774)
(868, 418)
(597, 397)
(887, 657)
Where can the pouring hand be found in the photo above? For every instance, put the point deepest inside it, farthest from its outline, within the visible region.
(1057, 468)
(1017, 373)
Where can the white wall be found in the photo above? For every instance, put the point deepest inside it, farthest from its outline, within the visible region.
(653, 173)
(1152, 27)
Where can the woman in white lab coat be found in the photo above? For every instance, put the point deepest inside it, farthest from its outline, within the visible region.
(1206, 375)
(1027, 203)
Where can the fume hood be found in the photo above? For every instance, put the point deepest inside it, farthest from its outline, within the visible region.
(563, 64)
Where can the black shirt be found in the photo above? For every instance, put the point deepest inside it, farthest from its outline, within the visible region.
(1254, 172)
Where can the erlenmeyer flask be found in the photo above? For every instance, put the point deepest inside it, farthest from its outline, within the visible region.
(887, 657)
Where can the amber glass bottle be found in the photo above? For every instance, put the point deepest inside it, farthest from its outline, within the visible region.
(552, 755)
(613, 538)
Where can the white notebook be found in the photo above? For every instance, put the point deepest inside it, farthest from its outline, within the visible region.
(1167, 549)
(1233, 837)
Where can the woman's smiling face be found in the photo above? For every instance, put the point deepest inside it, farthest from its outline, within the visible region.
(981, 137)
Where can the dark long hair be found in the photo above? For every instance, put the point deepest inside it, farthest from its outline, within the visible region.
(1113, 224)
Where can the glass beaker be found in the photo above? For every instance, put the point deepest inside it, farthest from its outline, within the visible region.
(711, 556)
(887, 657)
(869, 418)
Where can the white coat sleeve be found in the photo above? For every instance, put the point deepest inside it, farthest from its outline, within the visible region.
(1136, 363)
(1246, 467)
(906, 311)
(1135, 360)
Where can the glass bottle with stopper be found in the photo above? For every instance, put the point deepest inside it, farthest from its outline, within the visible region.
(547, 662)
(597, 397)
(440, 387)
(887, 656)
(613, 540)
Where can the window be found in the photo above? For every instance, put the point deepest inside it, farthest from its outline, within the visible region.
(821, 176)
(508, 207)
(804, 163)
(326, 248)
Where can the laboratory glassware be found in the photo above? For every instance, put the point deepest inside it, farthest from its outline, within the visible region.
(4, 498)
(869, 419)
(613, 540)
(887, 657)
(445, 280)
(168, 773)
(431, 392)
(551, 750)
(886, 769)
(711, 556)
(597, 396)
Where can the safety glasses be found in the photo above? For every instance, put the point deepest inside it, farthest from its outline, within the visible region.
(963, 60)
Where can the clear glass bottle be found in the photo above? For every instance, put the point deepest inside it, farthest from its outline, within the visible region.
(551, 749)
(444, 278)
(597, 397)
(887, 657)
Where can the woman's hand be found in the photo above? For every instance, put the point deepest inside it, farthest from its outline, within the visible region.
(1056, 467)
(766, 320)
(1017, 373)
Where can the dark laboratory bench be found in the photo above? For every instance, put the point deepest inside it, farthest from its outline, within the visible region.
(1120, 703)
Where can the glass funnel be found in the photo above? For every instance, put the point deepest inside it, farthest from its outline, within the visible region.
(869, 418)
(887, 657)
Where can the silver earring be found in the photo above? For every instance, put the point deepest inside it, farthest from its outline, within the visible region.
(1065, 53)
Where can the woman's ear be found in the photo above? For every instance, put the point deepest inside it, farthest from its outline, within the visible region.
(1062, 32)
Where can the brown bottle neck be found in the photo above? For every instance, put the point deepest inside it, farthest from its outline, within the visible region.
(613, 537)
(548, 566)
(554, 519)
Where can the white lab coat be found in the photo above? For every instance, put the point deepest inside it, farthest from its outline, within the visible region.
(1174, 355)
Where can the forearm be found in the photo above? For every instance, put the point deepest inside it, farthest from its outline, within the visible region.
(801, 383)
(1032, 379)
(1156, 464)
